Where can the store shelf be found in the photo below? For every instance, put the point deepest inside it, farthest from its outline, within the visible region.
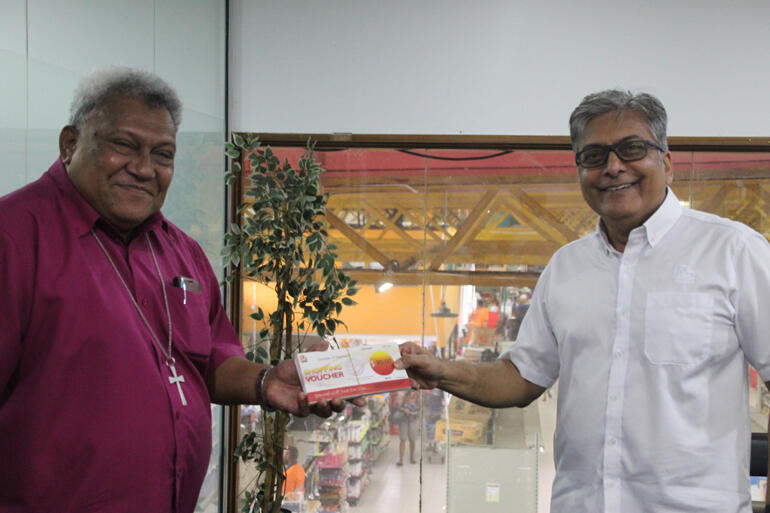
(343, 451)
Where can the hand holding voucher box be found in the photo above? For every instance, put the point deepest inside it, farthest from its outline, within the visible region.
(350, 372)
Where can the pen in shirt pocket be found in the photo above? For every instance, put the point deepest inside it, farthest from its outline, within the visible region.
(186, 284)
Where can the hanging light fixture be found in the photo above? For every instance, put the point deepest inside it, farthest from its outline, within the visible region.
(443, 311)
(386, 281)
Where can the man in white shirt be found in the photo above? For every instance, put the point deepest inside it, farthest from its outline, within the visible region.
(648, 323)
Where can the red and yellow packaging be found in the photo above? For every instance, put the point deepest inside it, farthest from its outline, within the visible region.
(350, 372)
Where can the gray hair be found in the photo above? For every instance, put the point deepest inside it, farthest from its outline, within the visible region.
(612, 100)
(97, 88)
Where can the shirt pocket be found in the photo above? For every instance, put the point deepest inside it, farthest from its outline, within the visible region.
(678, 327)
(190, 318)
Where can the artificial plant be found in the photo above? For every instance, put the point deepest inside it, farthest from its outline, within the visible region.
(280, 239)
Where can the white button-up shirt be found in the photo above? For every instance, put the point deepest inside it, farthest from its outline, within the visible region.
(650, 346)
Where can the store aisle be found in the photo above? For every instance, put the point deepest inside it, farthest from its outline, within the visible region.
(397, 489)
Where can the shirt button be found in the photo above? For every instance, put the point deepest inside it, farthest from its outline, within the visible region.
(618, 353)
(177, 415)
(612, 441)
(144, 301)
(613, 397)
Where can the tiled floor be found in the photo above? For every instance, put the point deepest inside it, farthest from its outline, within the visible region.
(394, 489)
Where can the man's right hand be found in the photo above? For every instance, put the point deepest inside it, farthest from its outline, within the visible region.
(496, 384)
(424, 369)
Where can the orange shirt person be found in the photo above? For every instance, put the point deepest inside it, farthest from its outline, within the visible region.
(295, 474)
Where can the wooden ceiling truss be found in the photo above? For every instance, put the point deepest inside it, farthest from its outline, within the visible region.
(496, 229)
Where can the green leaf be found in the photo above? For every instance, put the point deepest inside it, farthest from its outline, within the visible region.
(253, 142)
(348, 302)
(239, 140)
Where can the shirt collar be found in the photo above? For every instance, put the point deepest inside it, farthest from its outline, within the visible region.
(661, 221)
(82, 215)
(656, 226)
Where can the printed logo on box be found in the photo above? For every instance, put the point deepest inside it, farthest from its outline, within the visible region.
(324, 373)
(381, 363)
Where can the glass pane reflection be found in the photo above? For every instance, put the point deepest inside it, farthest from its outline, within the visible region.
(463, 239)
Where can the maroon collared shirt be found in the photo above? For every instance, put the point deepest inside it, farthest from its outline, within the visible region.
(88, 418)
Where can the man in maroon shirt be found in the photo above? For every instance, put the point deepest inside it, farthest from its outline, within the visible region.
(113, 339)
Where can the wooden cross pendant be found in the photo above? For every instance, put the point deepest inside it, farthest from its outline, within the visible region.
(177, 380)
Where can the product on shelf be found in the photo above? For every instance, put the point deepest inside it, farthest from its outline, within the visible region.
(462, 430)
(461, 409)
(333, 458)
(353, 440)
(355, 467)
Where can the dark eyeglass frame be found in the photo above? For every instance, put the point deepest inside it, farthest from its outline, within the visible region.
(613, 148)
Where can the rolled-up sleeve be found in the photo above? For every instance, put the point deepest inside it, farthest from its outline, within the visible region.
(535, 352)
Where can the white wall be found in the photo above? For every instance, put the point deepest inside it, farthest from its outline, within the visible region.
(494, 67)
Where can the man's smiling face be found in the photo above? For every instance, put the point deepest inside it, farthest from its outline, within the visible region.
(624, 194)
(122, 160)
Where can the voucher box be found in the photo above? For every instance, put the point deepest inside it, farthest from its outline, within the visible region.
(350, 372)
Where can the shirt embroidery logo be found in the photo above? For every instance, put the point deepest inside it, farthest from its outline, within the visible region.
(684, 275)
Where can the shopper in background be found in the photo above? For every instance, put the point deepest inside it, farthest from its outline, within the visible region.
(452, 342)
(409, 425)
(295, 473)
(113, 339)
(521, 305)
(648, 323)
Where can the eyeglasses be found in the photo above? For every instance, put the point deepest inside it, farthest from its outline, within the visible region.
(628, 150)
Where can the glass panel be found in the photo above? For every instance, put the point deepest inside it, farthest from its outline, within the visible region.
(494, 221)
(344, 457)
(189, 52)
(463, 236)
(13, 101)
(186, 46)
(67, 39)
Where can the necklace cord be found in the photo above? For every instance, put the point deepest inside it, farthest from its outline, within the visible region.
(166, 353)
